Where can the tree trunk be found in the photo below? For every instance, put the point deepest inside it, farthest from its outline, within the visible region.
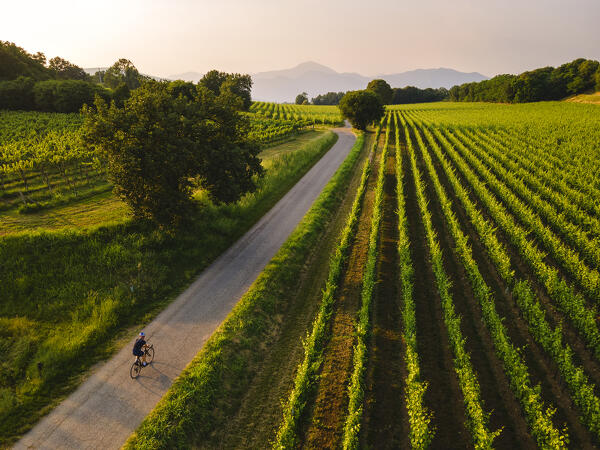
(46, 178)
(24, 178)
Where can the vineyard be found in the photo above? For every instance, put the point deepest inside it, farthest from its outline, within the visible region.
(302, 114)
(461, 303)
(459, 292)
(43, 163)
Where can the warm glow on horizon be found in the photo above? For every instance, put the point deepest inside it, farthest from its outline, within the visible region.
(168, 37)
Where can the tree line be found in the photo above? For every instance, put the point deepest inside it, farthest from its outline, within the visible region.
(29, 82)
(547, 83)
(389, 95)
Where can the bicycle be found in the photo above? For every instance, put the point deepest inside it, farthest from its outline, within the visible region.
(137, 365)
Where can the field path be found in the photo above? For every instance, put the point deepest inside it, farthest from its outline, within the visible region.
(109, 405)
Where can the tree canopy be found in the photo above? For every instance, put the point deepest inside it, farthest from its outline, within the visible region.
(16, 62)
(361, 108)
(382, 89)
(64, 70)
(26, 83)
(302, 99)
(230, 86)
(330, 98)
(168, 139)
(411, 94)
(122, 71)
(546, 83)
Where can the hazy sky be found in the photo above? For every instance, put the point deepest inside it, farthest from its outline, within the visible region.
(369, 37)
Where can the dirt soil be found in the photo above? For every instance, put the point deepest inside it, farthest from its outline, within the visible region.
(385, 419)
(326, 418)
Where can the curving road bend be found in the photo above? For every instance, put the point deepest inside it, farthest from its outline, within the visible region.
(109, 405)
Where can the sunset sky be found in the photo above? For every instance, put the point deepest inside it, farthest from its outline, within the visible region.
(369, 37)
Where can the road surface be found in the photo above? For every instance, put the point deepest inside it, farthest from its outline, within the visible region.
(109, 405)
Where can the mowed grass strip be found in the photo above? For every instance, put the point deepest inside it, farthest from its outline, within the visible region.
(68, 296)
(186, 414)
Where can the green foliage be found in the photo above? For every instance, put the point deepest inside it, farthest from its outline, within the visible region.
(16, 62)
(571, 303)
(122, 71)
(547, 83)
(232, 86)
(120, 94)
(66, 96)
(42, 162)
(582, 391)
(361, 108)
(27, 84)
(382, 89)
(476, 416)
(330, 98)
(65, 70)
(188, 407)
(17, 94)
(303, 115)
(411, 94)
(538, 417)
(50, 95)
(504, 165)
(267, 131)
(419, 416)
(302, 99)
(157, 145)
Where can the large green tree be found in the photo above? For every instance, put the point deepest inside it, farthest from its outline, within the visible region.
(229, 85)
(382, 89)
(65, 70)
(122, 71)
(302, 99)
(361, 108)
(163, 143)
(16, 62)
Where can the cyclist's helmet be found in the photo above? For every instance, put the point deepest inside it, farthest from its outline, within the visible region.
(142, 334)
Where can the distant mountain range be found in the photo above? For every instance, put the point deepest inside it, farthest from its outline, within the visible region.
(315, 79)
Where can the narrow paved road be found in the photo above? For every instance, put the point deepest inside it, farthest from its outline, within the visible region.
(109, 405)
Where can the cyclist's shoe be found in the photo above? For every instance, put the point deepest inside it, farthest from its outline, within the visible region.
(145, 364)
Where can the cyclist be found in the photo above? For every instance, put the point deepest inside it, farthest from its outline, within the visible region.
(139, 347)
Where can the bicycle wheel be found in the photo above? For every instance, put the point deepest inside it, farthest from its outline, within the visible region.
(135, 370)
(149, 354)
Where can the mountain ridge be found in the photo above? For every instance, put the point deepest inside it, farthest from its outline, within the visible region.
(282, 85)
